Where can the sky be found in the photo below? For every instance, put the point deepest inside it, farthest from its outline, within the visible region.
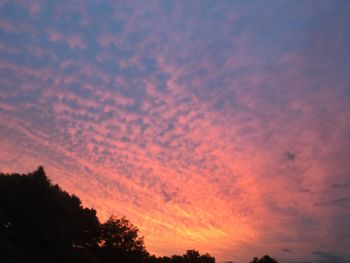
(222, 126)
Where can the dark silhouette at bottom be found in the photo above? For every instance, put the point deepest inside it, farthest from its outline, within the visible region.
(264, 259)
(39, 222)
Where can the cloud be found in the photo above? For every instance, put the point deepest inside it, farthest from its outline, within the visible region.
(290, 156)
(286, 250)
(73, 41)
(330, 257)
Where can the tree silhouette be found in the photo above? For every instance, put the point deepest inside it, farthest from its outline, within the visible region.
(193, 256)
(119, 239)
(119, 233)
(40, 223)
(264, 259)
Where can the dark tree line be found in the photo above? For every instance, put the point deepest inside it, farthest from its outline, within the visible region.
(39, 222)
(264, 259)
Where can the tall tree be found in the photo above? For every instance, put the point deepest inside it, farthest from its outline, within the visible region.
(41, 223)
(120, 240)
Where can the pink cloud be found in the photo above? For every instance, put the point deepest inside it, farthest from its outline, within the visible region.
(55, 36)
(76, 41)
(33, 8)
(8, 49)
(8, 26)
(73, 41)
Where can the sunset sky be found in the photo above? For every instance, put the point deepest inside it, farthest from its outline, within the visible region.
(222, 126)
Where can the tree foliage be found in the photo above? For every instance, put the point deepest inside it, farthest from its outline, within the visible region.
(38, 219)
(191, 256)
(119, 240)
(119, 233)
(264, 259)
